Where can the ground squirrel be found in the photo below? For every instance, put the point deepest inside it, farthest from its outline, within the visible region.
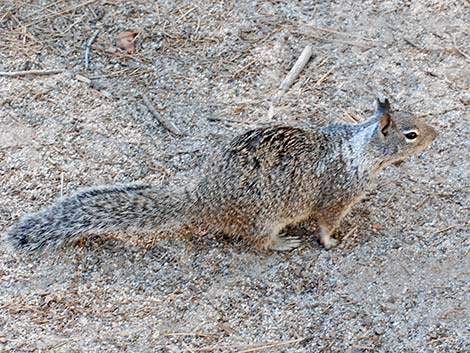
(259, 183)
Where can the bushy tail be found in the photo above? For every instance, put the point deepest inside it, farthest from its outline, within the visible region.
(98, 210)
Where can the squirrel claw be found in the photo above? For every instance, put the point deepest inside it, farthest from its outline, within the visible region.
(286, 243)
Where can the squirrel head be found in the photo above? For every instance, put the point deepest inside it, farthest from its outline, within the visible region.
(398, 135)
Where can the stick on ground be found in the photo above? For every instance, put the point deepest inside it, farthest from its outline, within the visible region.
(166, 124)
(297, 69)
(31, 73)
(87, 48)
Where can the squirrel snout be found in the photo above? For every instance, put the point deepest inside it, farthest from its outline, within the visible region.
(432, 133)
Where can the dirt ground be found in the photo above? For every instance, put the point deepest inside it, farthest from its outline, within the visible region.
(399, 281)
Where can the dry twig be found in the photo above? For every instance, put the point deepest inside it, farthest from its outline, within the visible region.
(421, 203)
(165, 123)
(444, 230)
(243, 68)
(31, 73)
(390, 198)
(460, 51)
(349, 233)
(297, 69)
(290, 78)
(349, 117)
(87, 48)
(195, 334)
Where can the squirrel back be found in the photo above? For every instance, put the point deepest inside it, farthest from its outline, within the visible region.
(259, 183)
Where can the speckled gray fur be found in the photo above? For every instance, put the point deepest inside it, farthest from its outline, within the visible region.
(259, 183)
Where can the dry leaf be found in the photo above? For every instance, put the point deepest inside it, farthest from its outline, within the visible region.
(125, 41)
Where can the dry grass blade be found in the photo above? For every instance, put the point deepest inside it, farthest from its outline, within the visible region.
(55, 14)
(196, 334)
(255, 347)
(333, 31)
(323, 78)
(273, 345)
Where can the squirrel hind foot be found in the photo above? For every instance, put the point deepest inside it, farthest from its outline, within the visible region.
(280, 242)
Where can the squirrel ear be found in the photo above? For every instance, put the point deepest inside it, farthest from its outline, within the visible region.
(385, 124)
(382, 107)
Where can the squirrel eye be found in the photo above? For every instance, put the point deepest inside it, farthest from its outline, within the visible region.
(411, 135)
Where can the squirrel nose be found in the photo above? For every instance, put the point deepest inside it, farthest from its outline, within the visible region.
(429, 132)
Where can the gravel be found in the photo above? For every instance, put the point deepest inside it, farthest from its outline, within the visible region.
(400, 280)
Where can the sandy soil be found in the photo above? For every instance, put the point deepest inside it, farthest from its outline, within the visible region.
(399, 282)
